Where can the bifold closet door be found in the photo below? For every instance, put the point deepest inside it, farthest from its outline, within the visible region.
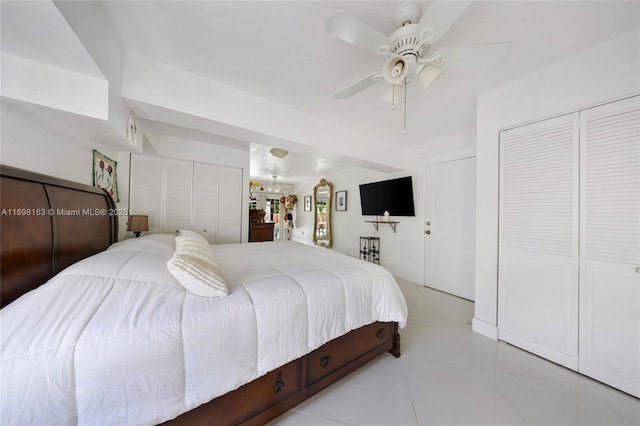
(145, 189)
(610, 244)
(230, 206)
(178, 193)
(538, 239)
(205, 200)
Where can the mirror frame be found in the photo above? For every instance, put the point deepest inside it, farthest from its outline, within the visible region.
(323, 242)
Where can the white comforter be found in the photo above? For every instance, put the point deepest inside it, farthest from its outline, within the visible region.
(115, 339)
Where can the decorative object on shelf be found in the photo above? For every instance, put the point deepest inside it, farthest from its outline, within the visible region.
(132, 128)
(289, 201)
(138, 223)
(341, 201)
(104, 174)
(307, 203)
(274, 187)
(385, 217)
(370, 249)
(279, 152)
(254, 185)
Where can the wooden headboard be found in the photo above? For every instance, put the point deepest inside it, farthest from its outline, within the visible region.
(46, 224)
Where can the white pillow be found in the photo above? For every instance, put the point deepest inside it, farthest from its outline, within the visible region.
(194, 235)
(195, 246)
(194, 266)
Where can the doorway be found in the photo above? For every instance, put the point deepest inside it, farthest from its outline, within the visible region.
(449, 238)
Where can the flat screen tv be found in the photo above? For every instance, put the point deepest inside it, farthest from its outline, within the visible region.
(394, 196)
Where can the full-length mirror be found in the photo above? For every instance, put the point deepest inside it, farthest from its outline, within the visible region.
(322, 232)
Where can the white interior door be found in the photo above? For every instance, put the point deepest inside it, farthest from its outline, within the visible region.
(450, 227)
(610, 244)
(538, 239)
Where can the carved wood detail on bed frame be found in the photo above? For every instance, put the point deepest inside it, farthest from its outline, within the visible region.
(46, 224)
(40, 235)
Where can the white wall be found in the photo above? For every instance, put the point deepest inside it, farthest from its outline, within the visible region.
(603, 73)
(35, 143)
(402, 252)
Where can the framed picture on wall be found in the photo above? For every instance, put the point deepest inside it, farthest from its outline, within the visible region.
(104, 174)
(341, 201)
(307, 203)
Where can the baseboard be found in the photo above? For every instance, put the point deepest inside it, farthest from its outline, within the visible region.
(486, 329)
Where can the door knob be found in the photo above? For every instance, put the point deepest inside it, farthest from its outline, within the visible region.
(427, 232)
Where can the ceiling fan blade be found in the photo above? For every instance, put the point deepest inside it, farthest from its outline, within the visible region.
(440, 16)
(475, 57)
(359, 86)
(347, 28)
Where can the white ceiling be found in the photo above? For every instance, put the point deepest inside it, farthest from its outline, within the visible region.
(279, 50)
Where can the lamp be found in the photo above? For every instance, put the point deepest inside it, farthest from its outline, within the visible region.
(138, 223)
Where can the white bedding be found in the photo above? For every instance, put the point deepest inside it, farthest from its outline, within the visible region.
(116, 339)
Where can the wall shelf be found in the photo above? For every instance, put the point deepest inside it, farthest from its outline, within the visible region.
(390, 223)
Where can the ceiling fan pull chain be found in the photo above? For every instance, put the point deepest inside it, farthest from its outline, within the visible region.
(393, 97)
(404, 127)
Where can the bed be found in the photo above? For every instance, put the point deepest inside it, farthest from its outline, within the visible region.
(113, 337)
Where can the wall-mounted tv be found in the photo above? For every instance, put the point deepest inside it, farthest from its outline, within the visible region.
(394, 196)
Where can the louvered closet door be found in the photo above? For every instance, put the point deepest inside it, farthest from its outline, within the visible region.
(538, 242)
(230, 206)
(178, 191)
(205, 200)
(610, 244)
(145, 193)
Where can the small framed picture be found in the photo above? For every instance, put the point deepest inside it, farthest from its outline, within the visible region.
(341, 201)
(307, 203)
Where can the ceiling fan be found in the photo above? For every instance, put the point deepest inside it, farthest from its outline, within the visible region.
(407, 49)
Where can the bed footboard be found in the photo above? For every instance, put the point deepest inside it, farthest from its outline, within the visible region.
(271, 395)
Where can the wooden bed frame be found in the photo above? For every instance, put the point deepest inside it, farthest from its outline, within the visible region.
(49, 223)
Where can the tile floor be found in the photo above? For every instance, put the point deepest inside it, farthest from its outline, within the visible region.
(449, 375)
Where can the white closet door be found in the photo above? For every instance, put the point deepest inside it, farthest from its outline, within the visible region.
(610, 244)
(538, 242)
(205, 200)
(178, 190)
(230, 206)
(145, 193)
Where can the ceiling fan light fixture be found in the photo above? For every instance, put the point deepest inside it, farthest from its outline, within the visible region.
(392, 95)
(279, 152)
(428, 75)
(395, 69)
